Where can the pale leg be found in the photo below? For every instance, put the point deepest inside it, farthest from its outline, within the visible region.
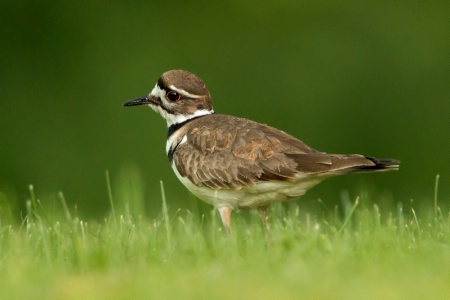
(265, 216)
(225, 214)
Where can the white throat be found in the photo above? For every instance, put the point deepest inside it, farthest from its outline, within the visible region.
(177, 119)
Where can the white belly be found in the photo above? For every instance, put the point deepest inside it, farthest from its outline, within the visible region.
(256, 195)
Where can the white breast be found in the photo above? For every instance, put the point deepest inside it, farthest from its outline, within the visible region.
(171, 141)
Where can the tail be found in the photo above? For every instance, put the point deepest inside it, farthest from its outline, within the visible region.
(380, 164)
(334, 164)
(362, 164)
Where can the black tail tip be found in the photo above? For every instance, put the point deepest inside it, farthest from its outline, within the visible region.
(385, 163)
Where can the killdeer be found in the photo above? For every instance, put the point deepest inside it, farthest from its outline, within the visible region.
(235, 163)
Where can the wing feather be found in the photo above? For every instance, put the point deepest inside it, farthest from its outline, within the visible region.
(223, 151)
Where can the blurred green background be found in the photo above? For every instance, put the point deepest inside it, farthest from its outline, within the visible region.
(353, 77)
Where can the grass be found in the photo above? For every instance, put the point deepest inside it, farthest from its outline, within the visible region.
(359, 250)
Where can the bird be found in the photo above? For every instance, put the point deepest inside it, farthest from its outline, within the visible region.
(235, 163)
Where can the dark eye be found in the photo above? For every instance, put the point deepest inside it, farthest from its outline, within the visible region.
(173, 96)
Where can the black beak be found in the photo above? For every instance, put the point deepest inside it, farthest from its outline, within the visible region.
(138, 101)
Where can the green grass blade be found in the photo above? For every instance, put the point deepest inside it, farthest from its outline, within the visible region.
(166, 217)
(64, 205)
(349, 215)
(110, 197)
(33, 199)
(436, 188)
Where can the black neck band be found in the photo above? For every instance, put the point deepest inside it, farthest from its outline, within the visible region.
(172, 129)
(175, 127)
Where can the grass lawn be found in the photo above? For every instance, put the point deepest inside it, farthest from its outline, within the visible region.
(361, 249)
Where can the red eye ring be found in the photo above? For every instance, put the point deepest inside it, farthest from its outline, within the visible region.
(173, 96)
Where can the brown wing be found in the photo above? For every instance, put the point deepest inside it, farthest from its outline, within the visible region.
(227, 152)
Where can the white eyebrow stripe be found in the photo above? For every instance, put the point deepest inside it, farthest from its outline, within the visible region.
(181, 91)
